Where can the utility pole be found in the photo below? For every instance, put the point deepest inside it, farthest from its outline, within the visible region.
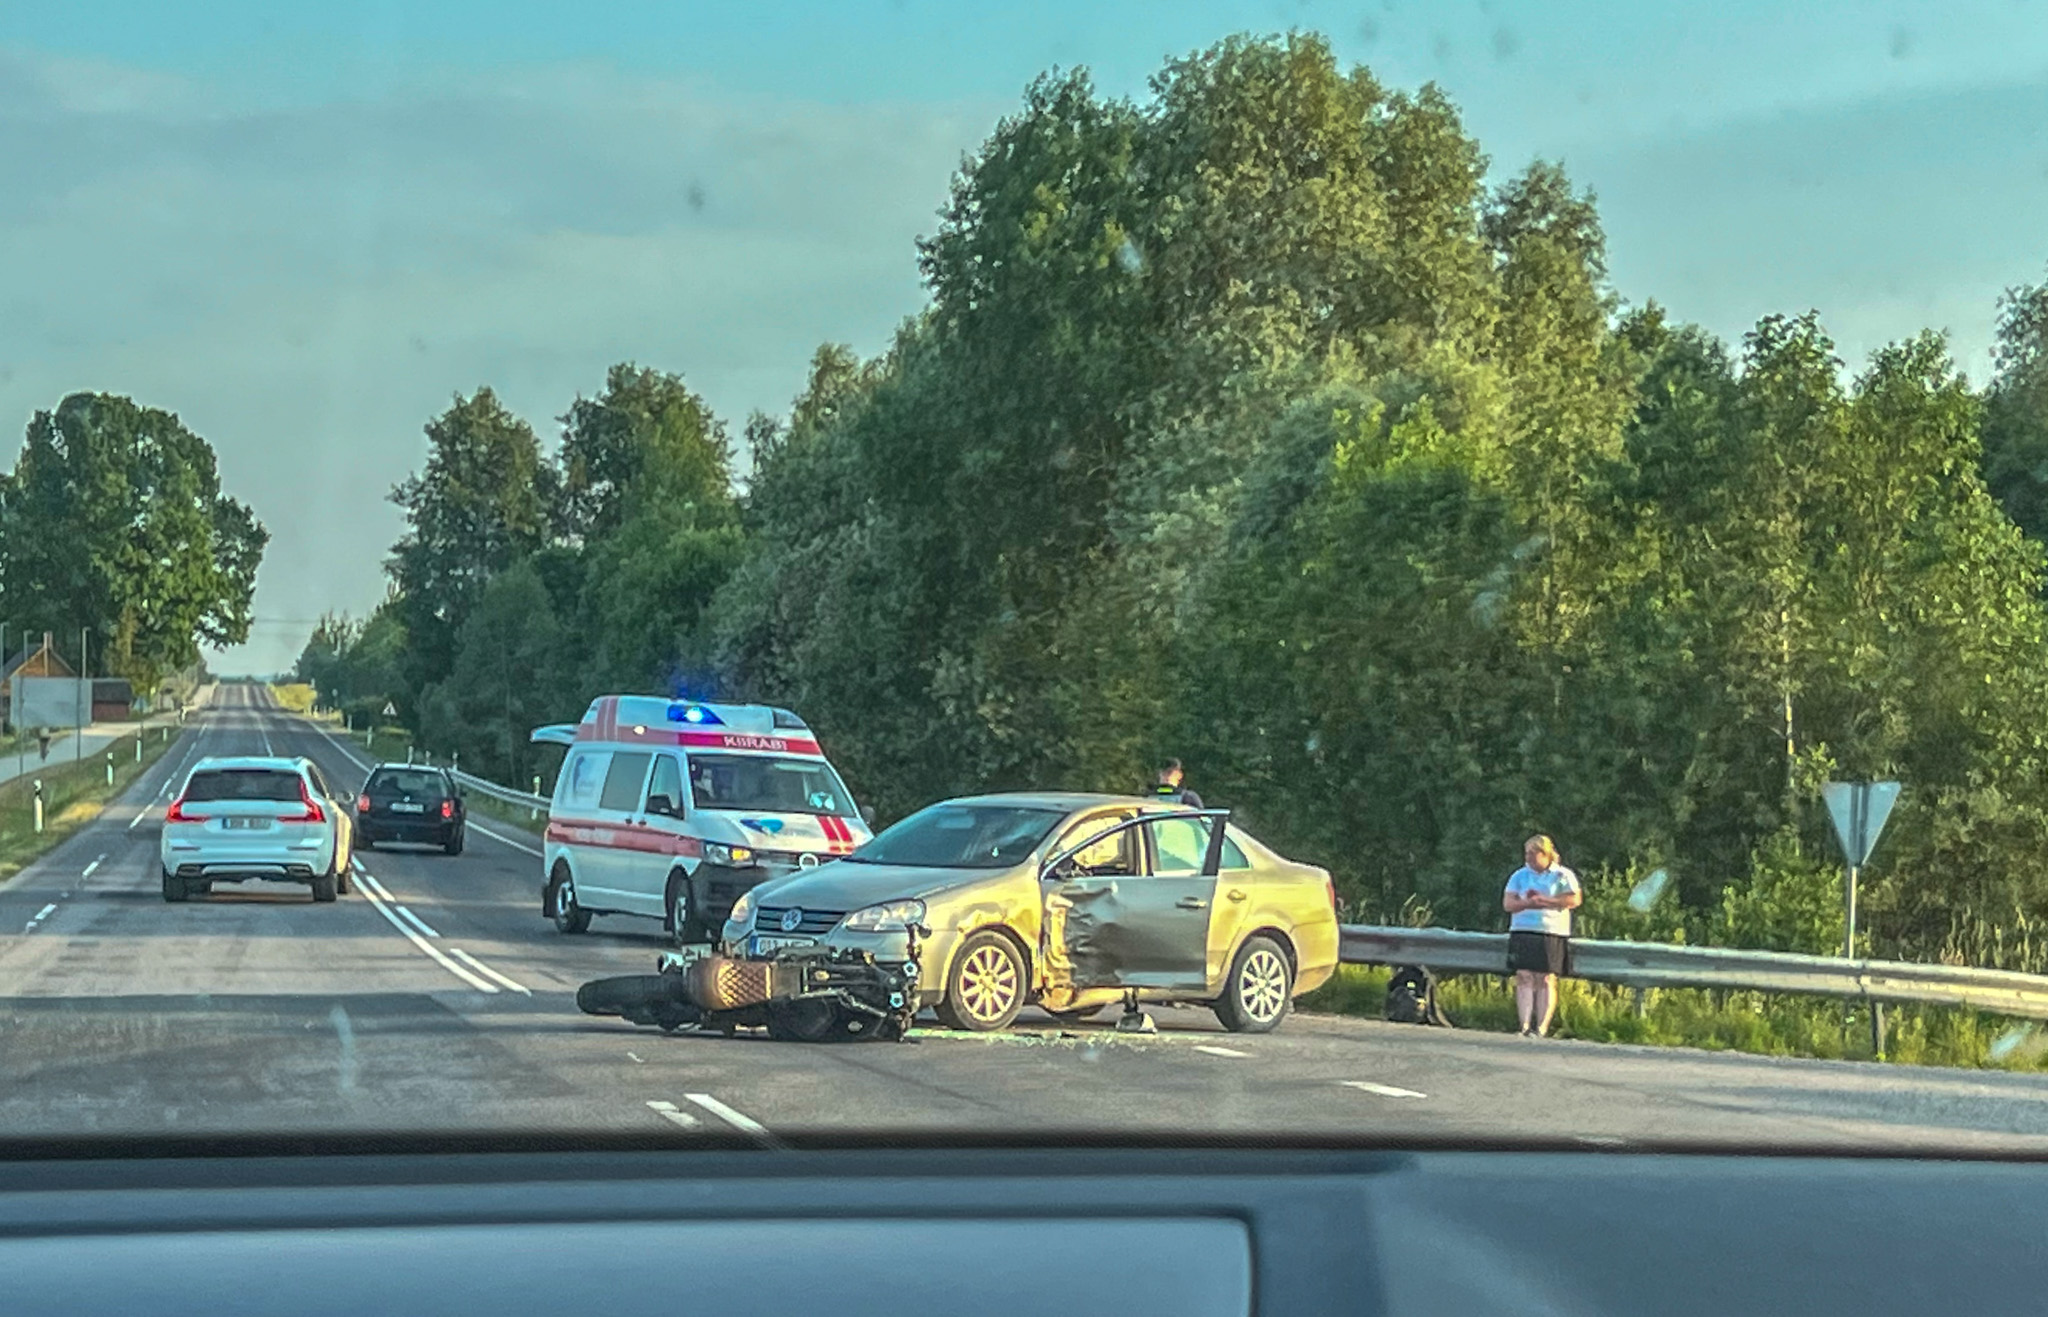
(84, 702)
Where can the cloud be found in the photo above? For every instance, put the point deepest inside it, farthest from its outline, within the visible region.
(307, 284)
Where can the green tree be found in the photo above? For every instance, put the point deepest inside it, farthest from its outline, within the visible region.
(646, 439)
(114, 520)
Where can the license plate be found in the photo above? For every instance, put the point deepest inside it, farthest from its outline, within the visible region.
(245, 823)
(407, 807)
(758, 945)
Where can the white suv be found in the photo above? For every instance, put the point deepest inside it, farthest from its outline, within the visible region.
(238, 819)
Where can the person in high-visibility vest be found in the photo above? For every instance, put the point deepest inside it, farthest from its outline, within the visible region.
(1171, 786)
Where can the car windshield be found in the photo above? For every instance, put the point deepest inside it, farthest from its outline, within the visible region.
(962, 837)
(243, 784)
(744, 482)
(768, 784)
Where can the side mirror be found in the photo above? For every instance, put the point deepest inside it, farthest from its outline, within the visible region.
(867, 815)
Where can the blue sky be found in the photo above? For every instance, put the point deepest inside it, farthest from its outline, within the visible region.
(305, 227)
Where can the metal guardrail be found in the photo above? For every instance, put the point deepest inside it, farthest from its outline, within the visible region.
(506, 794)
(1658, 965)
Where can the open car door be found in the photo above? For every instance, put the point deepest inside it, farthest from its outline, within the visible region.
(1112, 920)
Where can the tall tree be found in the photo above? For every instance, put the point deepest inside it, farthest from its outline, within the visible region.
(114, 520)
(646, 439)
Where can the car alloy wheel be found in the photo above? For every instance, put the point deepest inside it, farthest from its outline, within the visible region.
(988, 985)
(1262, 984)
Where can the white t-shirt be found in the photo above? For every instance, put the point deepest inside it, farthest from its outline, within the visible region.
(1554, 881)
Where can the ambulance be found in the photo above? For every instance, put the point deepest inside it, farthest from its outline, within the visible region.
(673, 809)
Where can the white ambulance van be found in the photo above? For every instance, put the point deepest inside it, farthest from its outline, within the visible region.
(672, 809)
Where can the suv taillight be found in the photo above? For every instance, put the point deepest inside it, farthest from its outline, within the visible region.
(312, 814)
(176, 813)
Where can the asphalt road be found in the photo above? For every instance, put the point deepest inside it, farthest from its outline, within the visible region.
(436, 999)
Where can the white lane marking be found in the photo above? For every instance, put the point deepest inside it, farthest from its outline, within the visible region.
(266, 742)
(481, 985)
(90, 867)
(739, 1120)
(1384, 1090)
(506, 841)
(1230, 1052)
(482, 968)
(667, 1111)
(415, 921)
(40, 916)
(634, 1057)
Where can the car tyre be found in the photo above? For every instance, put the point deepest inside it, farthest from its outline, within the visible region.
(1260, 990)
(174, 887)
(453, 845)
(807, 1022)
(569, 917)
(683, 922)
(343, 883)
(365, 841)
(323, 887)
(985, 988)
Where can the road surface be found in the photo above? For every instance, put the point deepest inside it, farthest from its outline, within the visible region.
(438, 1000)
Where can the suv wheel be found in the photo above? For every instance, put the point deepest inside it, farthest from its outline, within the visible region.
(323, 887)
(683, 922)
(174, 887)
(1260, 989)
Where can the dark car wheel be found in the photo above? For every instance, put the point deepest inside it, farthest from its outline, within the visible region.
(684, 924)
(985, 988)
(323, 886)
(569, 917)
(1260, 989)
(174, 887)
(366, 840)
(453, 845)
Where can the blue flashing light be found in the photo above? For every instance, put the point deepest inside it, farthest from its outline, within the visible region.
(695, 714)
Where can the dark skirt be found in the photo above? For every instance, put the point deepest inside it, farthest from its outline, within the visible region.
(1540, 953)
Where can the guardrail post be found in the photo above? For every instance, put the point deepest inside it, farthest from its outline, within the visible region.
(1642, 1005)
(39, 805)
(1877, 1030)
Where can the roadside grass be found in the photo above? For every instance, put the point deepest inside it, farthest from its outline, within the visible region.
(512, 816)
(1764, 1024)
(74, 793)
(297, 698)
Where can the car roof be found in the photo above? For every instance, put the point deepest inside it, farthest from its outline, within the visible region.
(282, 763)
(409, 768)
(1068, 801)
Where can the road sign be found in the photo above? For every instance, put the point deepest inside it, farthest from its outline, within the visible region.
(1859, 810)
(390, 710)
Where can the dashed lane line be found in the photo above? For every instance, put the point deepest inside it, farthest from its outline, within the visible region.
(1230, 1052)
(1383, 1090)
(90, 869)
(668, 1111)
(413, 919)
(452, 966)
(40, 916)
(739, 1120)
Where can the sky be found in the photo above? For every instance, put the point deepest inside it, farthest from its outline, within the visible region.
(306, 228)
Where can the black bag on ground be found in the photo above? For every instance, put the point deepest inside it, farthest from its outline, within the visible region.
(1411, 998)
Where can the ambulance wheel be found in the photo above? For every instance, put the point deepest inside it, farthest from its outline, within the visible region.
(683, 922)
(569, 917)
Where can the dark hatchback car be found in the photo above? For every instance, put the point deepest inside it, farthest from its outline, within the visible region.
(410, 803)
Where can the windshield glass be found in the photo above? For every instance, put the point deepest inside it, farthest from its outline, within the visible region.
(962, 837)
(1568, 482)
(772, 785)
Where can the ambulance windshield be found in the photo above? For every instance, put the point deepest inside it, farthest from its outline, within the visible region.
(771, 784)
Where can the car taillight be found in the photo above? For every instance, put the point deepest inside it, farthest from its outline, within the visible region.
(447, 809)
(176, 813)
(313, 813)
(363, 804)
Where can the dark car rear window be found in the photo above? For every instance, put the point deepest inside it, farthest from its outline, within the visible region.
(244, 784)
(413, 786)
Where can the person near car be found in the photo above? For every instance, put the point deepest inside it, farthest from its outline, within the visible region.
(1539, 899)
(1171, 785)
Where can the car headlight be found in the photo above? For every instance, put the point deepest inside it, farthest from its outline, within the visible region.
(742, 909)
(729, 856)
(888, 917)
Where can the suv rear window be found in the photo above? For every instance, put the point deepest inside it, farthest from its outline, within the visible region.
(244, 784)
(416, 785)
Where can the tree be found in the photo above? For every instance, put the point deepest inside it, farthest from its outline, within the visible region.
(480, 505)
(114, 520)
(2016, 410)
(505, 681)
(646, 439)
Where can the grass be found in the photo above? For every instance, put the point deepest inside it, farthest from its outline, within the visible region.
(297, 698)
(1765, 1024)
(74, 793)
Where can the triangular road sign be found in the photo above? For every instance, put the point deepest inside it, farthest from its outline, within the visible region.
(1859, 811)
(390, 710)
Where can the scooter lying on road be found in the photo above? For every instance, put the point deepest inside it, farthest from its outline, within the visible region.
(798, 994)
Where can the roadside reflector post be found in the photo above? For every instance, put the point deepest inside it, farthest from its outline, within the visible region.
(408, 755)
(39, 804)
(110, 768)
(138, 747)
(535, 813)
(455, 761)
(1642, 1007)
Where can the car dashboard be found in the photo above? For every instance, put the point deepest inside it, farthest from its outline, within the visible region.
(1188, 1231)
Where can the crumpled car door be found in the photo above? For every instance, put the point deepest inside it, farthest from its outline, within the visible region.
(1130, 929)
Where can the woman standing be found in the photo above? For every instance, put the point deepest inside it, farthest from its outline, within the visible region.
(1540, 898)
